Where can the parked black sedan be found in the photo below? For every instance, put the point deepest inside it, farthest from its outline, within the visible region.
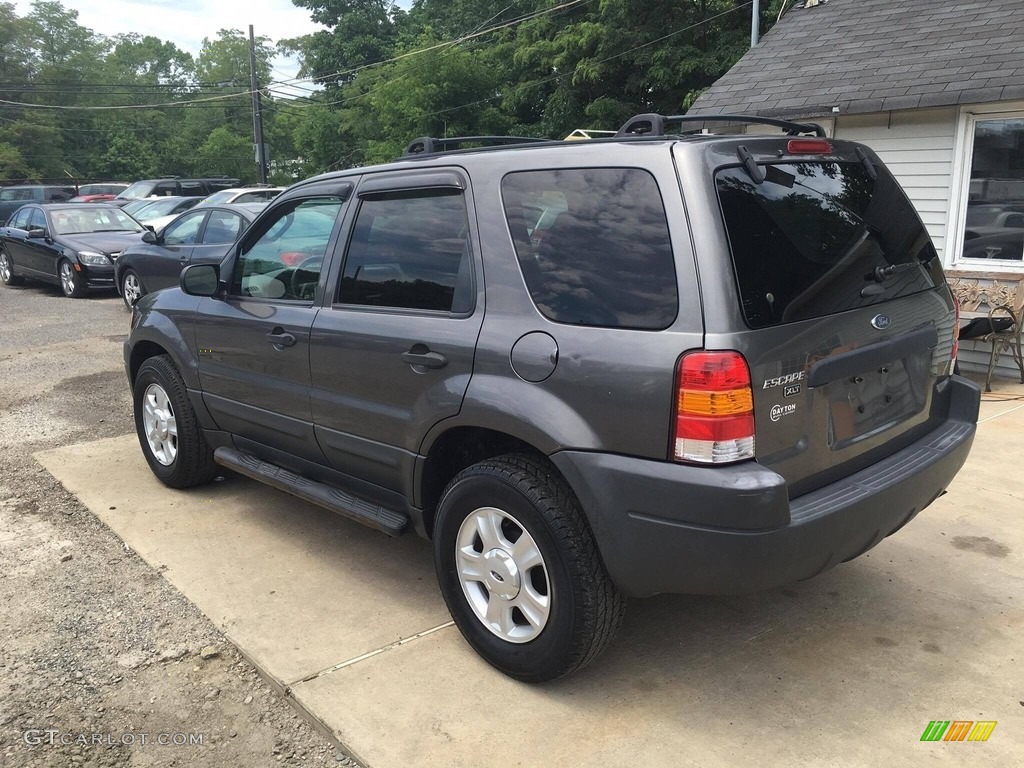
(199, 236)
(74, 246)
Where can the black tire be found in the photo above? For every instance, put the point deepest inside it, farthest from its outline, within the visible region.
(130, 273)
(585, 607)
(7, 276)
(76, 289)
(193, 462)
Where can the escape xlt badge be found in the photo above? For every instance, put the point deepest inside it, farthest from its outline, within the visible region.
(778, 381)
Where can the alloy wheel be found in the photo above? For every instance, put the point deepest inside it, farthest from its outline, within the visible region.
(131, 289)
(67, 278)
(160, 424)
(503, 575)
(5, 267)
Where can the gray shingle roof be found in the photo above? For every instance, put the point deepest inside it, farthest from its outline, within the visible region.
(878, 55)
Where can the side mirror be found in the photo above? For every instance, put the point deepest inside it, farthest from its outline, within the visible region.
(201, 280)
(149, 236)
(36, 234)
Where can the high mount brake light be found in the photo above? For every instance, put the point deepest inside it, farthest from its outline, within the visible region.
(714, 418)
(809, 147)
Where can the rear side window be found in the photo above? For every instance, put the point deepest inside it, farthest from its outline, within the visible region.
(808, 240)
(593, 246)
(410, 250)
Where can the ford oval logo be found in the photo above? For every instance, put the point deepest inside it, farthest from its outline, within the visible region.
(881, 322)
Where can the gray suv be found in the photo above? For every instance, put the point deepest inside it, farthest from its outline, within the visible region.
(584, 370)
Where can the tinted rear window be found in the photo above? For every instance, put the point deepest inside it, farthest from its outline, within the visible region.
(593, 246)
(807, 241)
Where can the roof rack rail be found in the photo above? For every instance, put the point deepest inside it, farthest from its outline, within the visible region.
(654, 125)
(428, 145)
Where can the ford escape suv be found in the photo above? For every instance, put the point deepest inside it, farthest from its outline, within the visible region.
(653, 362)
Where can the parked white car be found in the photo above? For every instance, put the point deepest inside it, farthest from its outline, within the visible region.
(243, 195)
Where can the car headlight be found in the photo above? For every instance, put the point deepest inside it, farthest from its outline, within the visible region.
(93, 259)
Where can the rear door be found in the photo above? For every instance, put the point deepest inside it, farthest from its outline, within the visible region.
(393, 352)
(839, 305)
(14, 239)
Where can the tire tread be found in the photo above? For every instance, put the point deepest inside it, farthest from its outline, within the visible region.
(600, 603)
(198, 466)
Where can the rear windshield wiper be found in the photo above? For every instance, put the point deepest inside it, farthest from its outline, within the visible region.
(881, 274)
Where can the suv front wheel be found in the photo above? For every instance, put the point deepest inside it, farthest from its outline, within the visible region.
(168, 429)
(520, 571)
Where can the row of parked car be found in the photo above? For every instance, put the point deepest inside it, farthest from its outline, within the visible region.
(135, 245)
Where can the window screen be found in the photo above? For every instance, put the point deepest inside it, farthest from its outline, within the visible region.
(593, 245)
(410, 250)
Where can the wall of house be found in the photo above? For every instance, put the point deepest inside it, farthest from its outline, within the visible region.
(918, 147)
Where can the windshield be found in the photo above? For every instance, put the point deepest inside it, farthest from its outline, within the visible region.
(81, 221)
(216, 198)
(154, 209)
(810, 239)
(137, 190)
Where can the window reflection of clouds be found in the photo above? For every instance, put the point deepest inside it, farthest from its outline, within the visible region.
(607, 259)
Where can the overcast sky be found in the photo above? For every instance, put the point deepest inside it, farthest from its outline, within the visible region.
(186, 22)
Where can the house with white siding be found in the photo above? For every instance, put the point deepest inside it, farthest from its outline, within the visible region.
(935, 87)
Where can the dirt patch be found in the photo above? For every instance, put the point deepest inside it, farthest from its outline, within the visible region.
(981, 544)
(98, 653)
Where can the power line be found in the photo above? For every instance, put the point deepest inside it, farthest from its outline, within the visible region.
(428, 49)
(598, 61)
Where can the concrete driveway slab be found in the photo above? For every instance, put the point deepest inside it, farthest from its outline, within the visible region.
(297, 588)
(843, 670)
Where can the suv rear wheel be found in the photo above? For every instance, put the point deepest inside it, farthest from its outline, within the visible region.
(520, 572)
(168, 430)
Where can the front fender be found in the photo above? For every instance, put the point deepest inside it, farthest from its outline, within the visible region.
(165, 319)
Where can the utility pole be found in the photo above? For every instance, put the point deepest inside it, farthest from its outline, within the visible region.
(257, 110)
(755, 24)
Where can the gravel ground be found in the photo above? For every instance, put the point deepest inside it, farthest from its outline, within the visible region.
(94, 643)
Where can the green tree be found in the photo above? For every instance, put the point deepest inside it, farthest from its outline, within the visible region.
(227, 154)
(126, 157)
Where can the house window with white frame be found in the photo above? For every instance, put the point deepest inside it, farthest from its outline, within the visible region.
(994, 223)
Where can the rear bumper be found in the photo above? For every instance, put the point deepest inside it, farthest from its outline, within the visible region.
(664, 527)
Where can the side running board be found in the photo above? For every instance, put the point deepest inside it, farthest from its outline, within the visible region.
(375, 516)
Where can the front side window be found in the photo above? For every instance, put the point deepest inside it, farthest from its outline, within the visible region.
(410, 250)
(284, 262)
(20, 219)
(36, 220)
(223, 227)
(184, 231)
(994, 228)
(593, 245)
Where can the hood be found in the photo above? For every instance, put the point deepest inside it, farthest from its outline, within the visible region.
(103, 242)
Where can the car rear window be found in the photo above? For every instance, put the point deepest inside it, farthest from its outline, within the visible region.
(818, 238)
(593, 245)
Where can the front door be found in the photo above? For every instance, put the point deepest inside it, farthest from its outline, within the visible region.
(392, 353)
(161, 266)
(253, 345)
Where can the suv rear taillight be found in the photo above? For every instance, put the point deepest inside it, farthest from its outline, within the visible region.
(714, 409)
